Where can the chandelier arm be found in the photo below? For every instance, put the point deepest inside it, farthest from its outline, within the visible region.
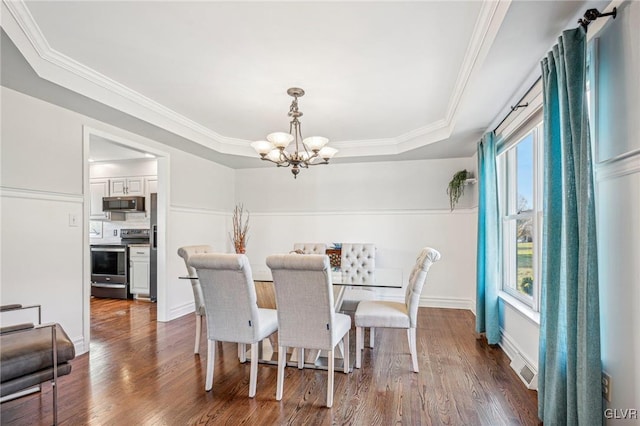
(319, 164)
(278, 163)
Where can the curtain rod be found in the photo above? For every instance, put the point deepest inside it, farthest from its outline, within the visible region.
(518, 105)
(589, 16)
(592, 14)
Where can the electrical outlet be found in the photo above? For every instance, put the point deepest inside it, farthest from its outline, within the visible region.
(115, 232)
(606, 386)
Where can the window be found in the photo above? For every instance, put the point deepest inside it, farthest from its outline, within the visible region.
(520, 180)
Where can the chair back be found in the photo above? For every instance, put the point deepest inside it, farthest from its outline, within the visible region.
(185, 253)
(358, 263)
(416, 281)
(310, 248)
(304, 298)
(229, 296)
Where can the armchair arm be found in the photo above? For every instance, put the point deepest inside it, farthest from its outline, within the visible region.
(19, 307)
(17, 327)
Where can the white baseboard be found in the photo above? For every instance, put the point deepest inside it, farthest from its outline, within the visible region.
(181, 310)
(435, 302)
(447, 302)
(518, 360)
(79, 345)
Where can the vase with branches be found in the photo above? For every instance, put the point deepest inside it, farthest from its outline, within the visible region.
(240, 229)
(456, 187)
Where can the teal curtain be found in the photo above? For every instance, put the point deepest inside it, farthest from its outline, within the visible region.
(569, 388)
(488, 261)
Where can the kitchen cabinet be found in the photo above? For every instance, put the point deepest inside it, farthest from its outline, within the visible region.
(139, 269)
(98, 188)
(127, 186)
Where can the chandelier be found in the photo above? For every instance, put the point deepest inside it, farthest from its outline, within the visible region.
(306, 152)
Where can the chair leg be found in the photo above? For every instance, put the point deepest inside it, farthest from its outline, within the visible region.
(300, 358)
(372, 333)
(282, 360)
(411, 334)
(359, 346)
(211, 358)
(253, 376)
(330, 379)
(242, 352)
(345, 356)
(54, 354)
(196, 349)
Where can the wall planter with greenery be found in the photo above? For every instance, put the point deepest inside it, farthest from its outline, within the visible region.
(455, 189)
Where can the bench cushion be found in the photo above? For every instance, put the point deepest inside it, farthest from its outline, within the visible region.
(28, 353)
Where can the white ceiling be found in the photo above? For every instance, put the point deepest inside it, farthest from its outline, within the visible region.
(383, 80)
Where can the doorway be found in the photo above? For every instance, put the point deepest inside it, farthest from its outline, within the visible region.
(117, 166)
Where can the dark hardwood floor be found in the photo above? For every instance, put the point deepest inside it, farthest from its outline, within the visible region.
(141, 372)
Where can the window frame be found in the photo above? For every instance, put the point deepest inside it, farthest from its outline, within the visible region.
(506, 162)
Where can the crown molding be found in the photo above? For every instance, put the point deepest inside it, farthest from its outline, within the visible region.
(60, 69)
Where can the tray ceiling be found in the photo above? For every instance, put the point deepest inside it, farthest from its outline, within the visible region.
(383, 80)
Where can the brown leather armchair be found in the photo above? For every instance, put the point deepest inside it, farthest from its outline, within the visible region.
(32, 354)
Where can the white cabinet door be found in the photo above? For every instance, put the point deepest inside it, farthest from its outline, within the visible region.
(135, 186)
(98, 188)
(139, 270)
(127, 186)
(118, 187)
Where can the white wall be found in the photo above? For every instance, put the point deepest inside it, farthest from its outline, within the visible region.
(400, 206)
(202, 199)
(42, 171)
(618, 198)
(126, 168)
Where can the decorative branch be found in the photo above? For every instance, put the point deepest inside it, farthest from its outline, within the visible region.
(240, 229)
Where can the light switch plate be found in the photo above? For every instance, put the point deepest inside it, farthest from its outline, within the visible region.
(73, 219)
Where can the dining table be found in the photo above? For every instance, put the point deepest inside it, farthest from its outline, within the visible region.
(384, 278)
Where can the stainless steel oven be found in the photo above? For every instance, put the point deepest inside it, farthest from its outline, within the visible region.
(109, 265)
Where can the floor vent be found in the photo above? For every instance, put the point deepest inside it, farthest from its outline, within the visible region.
(526, 373)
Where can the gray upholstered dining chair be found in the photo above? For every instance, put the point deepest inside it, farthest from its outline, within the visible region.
(306, 312)
(310, 248)
(185, 253)
(358, 266)
(232, 309)
(377, 313)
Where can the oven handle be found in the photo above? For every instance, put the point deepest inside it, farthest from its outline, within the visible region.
(109, 249)
(108, 285)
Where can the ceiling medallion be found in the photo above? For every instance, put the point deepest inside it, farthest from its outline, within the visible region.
(306, 152)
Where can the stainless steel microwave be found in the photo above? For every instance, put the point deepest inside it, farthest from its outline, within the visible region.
(123, 204)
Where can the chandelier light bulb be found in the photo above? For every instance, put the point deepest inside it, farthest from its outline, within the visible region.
(280, 139)
(327, 153)
(315, 143)
(274, 155)
(262, 147)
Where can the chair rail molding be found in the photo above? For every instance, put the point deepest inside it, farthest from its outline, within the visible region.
(623, 165)
(6, 192)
